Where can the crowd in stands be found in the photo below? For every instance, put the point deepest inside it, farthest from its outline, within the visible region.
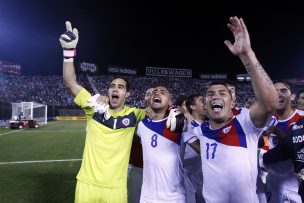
(50, 90)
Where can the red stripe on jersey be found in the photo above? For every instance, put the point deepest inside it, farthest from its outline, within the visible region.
(236, 111)
(230, 137)
(173, 136)
(294, 119)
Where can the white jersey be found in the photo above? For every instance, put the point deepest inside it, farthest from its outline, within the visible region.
(229, 160)
(163, 171)
(281, 173)
(192, 160)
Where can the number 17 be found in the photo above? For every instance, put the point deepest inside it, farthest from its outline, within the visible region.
(214, 145)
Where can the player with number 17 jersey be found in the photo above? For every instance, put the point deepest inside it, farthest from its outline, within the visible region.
(229, 160)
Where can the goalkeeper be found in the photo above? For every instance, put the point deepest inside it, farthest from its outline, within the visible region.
(110, 128)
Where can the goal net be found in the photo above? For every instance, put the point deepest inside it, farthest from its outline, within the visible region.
(31, 110)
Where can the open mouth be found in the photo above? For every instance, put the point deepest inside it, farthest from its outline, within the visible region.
(217, 107)
(115, 98)
(156, 100)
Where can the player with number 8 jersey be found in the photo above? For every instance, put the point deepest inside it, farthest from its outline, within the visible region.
(163, 170)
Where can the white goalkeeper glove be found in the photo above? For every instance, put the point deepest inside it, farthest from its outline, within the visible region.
(261, 162)
(176, 121)
(263, 168)
(68, 41)
(99, 106)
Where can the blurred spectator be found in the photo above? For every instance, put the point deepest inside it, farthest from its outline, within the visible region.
(300, 99)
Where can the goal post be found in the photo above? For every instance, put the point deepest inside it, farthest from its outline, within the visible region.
(31, 110)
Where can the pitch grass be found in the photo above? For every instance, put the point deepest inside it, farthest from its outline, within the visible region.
(45, 181)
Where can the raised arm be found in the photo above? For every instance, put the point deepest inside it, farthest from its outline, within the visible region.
(68, 41)
(267, 97)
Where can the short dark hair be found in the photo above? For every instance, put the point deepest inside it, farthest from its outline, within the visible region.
(162, 85)
(190, 101)
(180, 99)
(286, 83)
(123, 78)
(220, 83)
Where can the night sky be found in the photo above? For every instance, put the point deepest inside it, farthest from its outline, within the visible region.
(179, 35)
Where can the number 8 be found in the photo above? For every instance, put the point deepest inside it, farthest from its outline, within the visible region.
(154, 140)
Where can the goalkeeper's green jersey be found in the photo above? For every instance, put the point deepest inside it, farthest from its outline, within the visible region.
(107, 145)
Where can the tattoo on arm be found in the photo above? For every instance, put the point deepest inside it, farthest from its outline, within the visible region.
(247, 67)
(263, 73)
(259, 67)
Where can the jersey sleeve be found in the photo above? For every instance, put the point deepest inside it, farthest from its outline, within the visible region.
(138, 131)
(244, 117)
(190, 135)
(140, 114)
(81, 100)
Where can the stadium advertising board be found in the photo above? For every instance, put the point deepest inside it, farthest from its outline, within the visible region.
(296, 81)
(213, 76)
(69, 118)
(157, 71)
(243, 77)
(88, 67)
(122, 70)
(9, 67)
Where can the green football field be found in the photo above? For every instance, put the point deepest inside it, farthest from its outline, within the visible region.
(40, 165)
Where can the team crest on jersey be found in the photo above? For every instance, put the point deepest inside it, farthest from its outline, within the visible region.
(125, 121)
(226, 130)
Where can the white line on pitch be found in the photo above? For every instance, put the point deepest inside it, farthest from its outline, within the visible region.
(38, 161)
(14, 131)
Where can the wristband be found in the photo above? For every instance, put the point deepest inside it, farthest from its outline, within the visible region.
(69, 53)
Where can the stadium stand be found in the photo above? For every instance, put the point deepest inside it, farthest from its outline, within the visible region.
(51, 91)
